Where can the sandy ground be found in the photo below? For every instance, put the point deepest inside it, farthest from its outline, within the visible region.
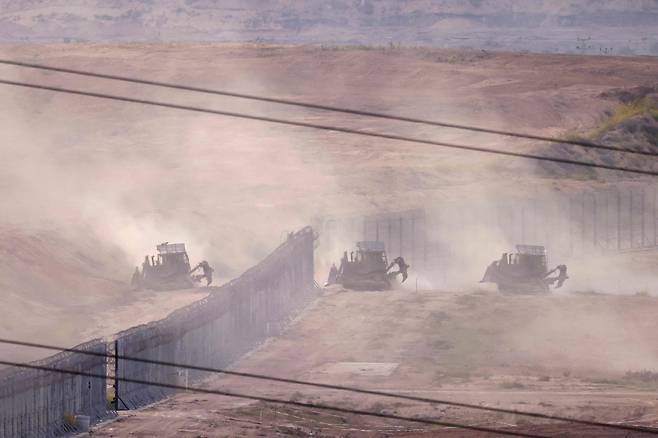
(117, 179)
(532, 353)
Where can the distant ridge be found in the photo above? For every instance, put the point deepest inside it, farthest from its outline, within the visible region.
(614, 27)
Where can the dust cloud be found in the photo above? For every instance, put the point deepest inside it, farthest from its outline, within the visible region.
(462, 237)
(90, 186)
(116, 179)
(138, 176)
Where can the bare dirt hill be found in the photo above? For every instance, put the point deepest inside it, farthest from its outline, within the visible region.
(64, 288)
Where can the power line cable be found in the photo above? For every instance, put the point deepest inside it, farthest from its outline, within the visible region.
(326, 127)
(574, 142)
(334, 387)
(276, 400)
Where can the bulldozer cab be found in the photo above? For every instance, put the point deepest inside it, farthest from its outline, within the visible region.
(169, 269)
(371, 253)
(365, 268)
(173, 257)
(522, 271)
(530, 259)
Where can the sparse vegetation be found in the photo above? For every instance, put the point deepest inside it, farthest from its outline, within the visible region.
(623, 113)
(463, 374)
(297, 396)
(645, 376)
(512, 385)
(587, 292)
(441, 344)
(69, 420)
(604, 381)
(437, 317)
(348, 47)
(378, 407)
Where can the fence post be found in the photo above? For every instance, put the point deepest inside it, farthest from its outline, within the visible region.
(630, 212)
(570, 202)
(594, 221)
(389, 234)
(523, 224)
(582, 222)
(400, 236)
(425, 240)
(655, 234)
(413, 239)
(643, 194)
(618, 220)
(607, 219)
(116, 374)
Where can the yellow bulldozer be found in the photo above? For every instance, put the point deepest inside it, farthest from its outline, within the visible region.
(525, 271)
(170, 269)
(367, 268)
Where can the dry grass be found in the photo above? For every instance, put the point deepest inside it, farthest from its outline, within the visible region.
(644, 106)
(624, 112)
(645, 376)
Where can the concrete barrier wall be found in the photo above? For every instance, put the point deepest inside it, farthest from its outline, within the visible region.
(36, 403)
(439, 239)
(213, 332)
(216, 331)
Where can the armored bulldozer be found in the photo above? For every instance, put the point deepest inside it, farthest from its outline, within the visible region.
(169, 270)
(525, 271)
(367, 268)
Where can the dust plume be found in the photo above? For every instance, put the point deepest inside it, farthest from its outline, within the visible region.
(139, 176)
